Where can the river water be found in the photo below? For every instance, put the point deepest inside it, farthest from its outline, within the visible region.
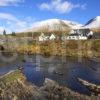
(64, 70)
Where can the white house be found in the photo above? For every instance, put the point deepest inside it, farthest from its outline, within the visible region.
(76, 37)
(79, 34)
(42, 37)
(90, 35)
(52, 37)
(72, 32)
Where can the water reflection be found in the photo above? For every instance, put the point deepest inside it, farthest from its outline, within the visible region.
(33, 75)
(65, 72)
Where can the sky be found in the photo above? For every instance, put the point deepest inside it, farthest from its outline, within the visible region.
(18, 15)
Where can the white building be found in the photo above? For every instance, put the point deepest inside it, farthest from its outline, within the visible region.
(80, 34)
(52, 37)
(90, 33)
(42, 37)
(72, 32)
(76, 37)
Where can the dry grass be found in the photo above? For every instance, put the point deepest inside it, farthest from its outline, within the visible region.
(87, 48)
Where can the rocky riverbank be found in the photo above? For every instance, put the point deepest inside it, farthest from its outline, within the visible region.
(14, 86)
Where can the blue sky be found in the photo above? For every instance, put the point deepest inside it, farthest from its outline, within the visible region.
(16, 15)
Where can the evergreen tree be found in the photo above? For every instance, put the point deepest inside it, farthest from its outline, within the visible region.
(4, 32)
(13, 34)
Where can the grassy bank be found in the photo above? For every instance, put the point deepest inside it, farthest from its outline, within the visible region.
(87, 48)
(19, 89)
(11, 76)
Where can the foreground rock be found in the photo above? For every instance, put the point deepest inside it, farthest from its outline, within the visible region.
(53, 91)
(13, 86)
(95, 89)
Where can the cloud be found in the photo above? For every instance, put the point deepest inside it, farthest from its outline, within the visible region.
(8, 16)
(45, 6)
(15, 24)
(60, 6)
(10, 2)
(84, 6)
(1, 29)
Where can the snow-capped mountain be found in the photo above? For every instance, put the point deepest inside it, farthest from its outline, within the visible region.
(63, 25)
(93, 23)
(54, 25)
(72, 24)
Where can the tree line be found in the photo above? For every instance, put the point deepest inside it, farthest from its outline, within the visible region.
(5, 33)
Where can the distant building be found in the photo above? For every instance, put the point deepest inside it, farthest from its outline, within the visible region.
(52, 37)
(43, 37)
(72, 31)
(76, 37)
(80, 34)
(90, 35)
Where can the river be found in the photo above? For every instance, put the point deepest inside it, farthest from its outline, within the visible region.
(64, 70)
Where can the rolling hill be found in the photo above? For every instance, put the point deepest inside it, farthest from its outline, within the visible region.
(53, 25)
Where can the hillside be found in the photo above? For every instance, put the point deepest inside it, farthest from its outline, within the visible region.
(64, 25)
(93, 23)
(53, 25)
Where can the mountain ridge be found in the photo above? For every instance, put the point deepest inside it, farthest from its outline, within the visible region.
(93, 23)
(63, 25)
(54, 25)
